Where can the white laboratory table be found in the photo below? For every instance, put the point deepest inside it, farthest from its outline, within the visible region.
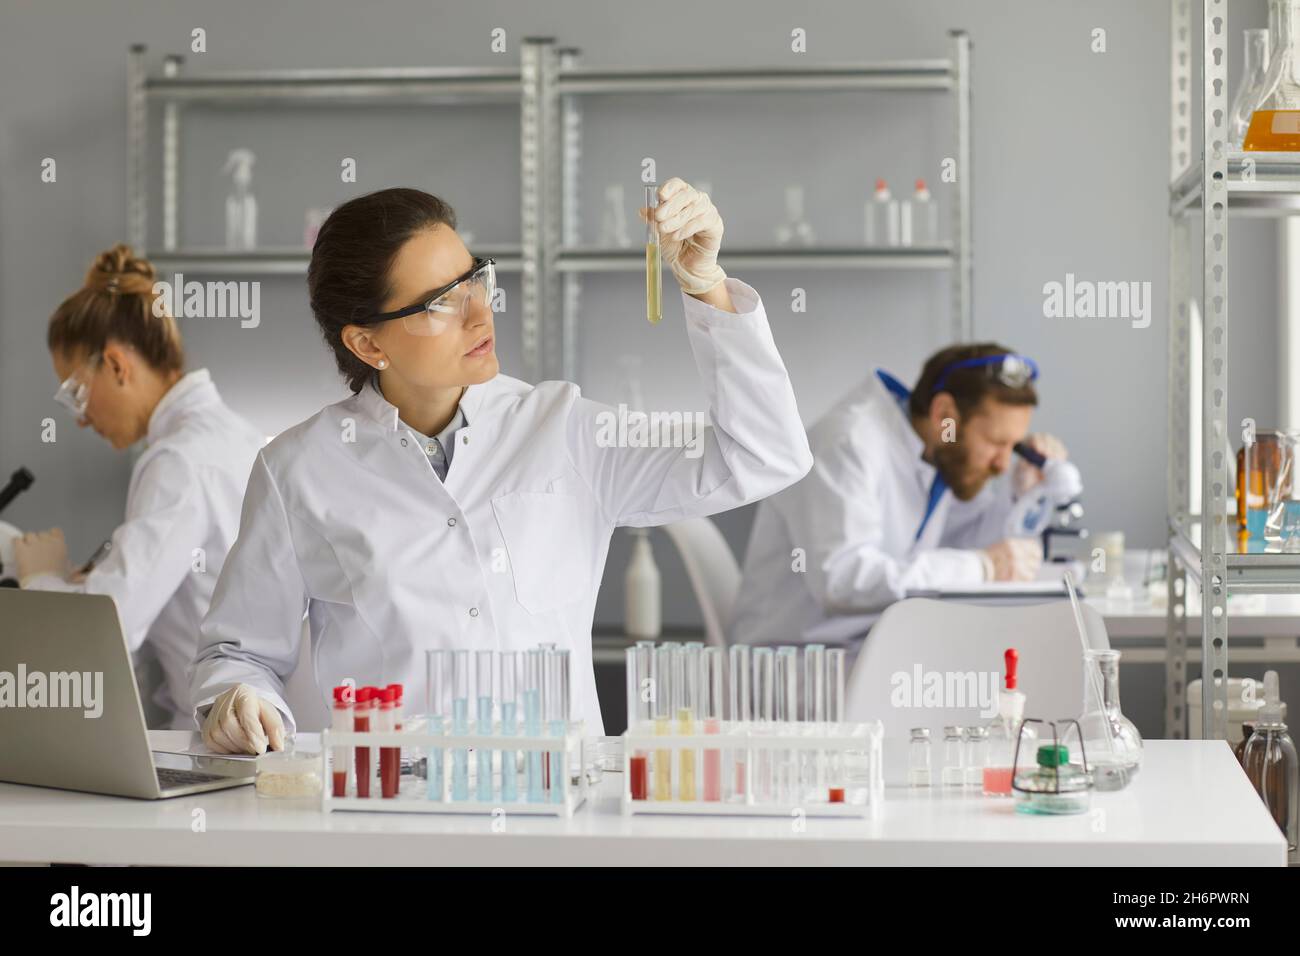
(1191, 805)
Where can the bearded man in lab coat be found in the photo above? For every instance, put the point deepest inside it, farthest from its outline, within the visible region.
(900, 498)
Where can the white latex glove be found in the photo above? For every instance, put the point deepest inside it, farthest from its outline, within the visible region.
(1027, 475)
(1013, 559)
(41, 552)
(240, 722)
(690, 235)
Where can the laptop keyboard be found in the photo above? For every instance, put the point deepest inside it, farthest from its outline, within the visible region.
(168, 778)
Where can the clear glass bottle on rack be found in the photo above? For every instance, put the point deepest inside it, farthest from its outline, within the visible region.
(954, 757)
(1275, 117)
(1269, 759)
(1111, 742)
(883, 217)
(1255, 69)
(918, 758)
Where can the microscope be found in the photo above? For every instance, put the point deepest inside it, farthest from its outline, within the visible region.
(1052, 509)
(19, 482)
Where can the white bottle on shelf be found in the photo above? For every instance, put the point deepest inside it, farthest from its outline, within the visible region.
(642, 609)
(882, 217)
(921, 218)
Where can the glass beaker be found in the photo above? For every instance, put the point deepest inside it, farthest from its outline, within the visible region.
(1257, 46)
(1275, 119)
(1263, 473)
(1111, 743)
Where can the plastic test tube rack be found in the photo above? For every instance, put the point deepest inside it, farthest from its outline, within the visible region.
(413, 793)
(854, 750)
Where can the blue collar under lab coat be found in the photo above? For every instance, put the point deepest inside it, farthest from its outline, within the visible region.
(937, 487)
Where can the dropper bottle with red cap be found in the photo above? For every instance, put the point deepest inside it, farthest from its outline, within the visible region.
(882, 217)
(1004, 730)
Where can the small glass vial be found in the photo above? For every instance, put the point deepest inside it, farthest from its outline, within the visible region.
(954, 757)
(977, 755)
(1054, 787)
(918, 758)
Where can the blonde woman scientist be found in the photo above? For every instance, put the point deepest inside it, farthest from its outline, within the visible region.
(121, 366)
(383, 518)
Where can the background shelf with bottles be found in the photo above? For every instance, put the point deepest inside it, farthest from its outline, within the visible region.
(1225, 180)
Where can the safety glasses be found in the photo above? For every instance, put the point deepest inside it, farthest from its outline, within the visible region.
(1011, 370)
(451, 303)
(74, 391)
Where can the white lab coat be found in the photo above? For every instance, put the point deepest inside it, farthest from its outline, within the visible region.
(182, 515)
(827, 556)
(344, 520)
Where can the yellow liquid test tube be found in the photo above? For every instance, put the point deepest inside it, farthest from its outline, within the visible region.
(686, 784)
(653, 266)
(663, 762)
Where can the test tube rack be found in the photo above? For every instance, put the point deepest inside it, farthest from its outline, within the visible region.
(412, 795)
(856, 748)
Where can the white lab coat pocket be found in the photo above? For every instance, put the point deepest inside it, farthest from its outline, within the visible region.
(546, 541)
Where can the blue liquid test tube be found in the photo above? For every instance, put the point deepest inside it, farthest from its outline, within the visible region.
(436, 709)
(486, 665)
(558, 698)
(510, 663)
(460, 681)
(533, 722)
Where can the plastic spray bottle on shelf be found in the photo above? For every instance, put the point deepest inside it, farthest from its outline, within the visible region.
(241, 204)
(1004, 730)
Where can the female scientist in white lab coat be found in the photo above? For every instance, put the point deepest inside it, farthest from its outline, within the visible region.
(445, 505)
(121, 362)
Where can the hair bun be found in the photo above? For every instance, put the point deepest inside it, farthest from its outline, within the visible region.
(119, 270)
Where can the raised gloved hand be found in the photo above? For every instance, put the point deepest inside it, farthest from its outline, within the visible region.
(41, 552)
(1025, 475)
(690, 235)
(1013, 559)
(240, 722)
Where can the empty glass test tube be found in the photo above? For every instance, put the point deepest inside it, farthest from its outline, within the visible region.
(557, 700)
(533, 721)
(814, 713)
(436, 700)
(787, 713)
(764, 720)
(740, 712)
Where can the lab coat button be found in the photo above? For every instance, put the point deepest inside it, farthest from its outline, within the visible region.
(451, 522)
(403, 442)
(473, 612)
(464, 439)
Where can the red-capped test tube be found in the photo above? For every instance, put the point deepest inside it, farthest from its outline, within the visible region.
(361, 723)
(389, 757)
(341, 722)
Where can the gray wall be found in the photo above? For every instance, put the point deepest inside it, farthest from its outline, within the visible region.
(1070, 176)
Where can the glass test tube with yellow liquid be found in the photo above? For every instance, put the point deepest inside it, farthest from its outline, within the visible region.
(653, 265)
(663, 711)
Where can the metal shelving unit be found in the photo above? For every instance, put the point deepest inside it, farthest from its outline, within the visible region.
(554, 86)
(1204, 191)
(310, 88)
(548, 87)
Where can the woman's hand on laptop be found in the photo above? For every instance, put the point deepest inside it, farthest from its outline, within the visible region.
(240, 722)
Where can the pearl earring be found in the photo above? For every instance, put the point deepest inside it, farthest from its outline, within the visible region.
(383, 363)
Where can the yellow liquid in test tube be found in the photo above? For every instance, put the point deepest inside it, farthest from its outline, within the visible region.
(653, 283)
(663, 762)
(686, 785)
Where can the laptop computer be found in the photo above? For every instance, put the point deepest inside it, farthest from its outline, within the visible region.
(70, 714)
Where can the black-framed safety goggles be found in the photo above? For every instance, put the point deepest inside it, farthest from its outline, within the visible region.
(451, 303)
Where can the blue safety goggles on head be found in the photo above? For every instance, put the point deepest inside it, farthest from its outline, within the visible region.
(1011, 370)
